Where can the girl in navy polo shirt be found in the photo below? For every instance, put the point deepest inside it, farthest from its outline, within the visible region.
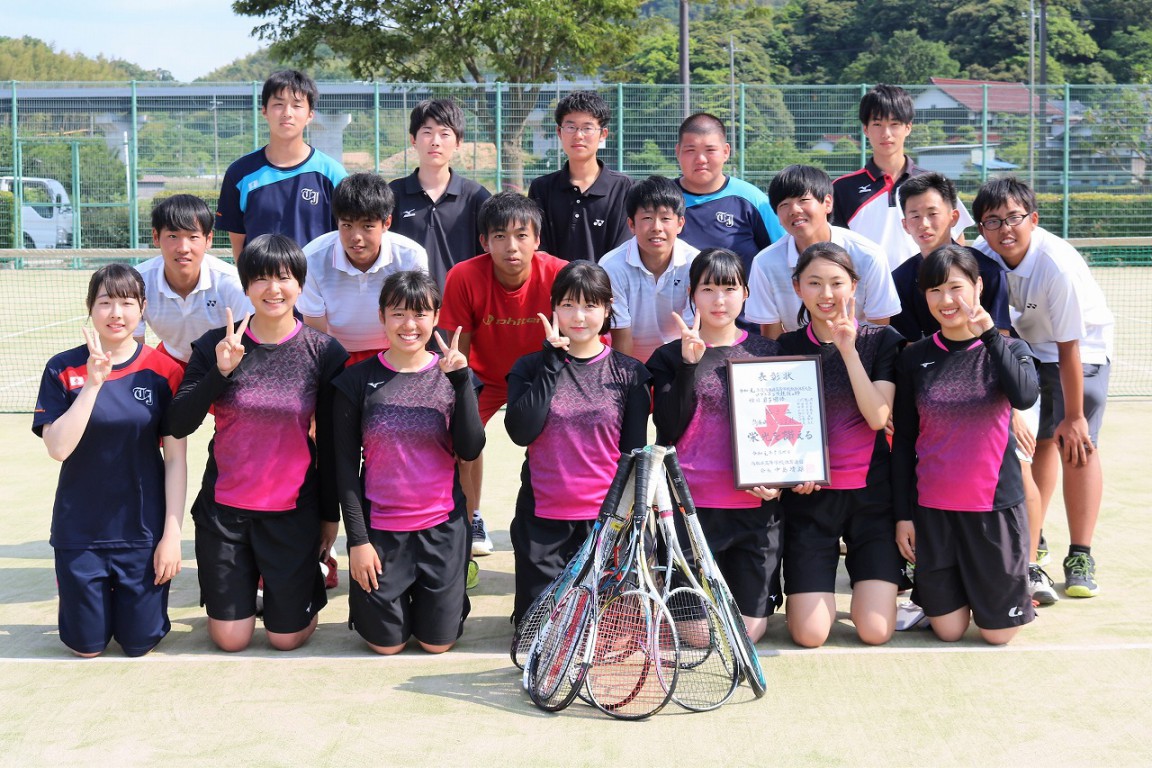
(120, 500)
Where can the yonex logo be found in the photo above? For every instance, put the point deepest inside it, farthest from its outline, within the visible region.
(598, 223)
(143, 394)
(1031, 306)
(408, 214)
(726, 219)
(210, 302)
(310, 196)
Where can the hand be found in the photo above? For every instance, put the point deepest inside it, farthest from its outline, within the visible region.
(451, 358)
(906, 539)
(805, 488)
(99, 362)
(552, 332)
(979, 321)
(760, 492)
(1025, 440)
(364, 566)
(889, 430)
(328, 531)
(844, 327)
(230, 349)
(692, 347)
(1075, 443)
(166, 559)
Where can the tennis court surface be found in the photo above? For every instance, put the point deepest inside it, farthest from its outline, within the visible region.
(1075, 687)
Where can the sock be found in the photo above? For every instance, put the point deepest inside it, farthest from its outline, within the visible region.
(1074, 549)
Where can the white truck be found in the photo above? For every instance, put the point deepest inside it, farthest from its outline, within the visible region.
(46, 216)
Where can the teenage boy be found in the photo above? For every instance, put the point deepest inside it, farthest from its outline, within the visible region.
(801, 195)
(495, 299)
(583, 202)
(347, 268)
(437, 207)
(866, 201)
(187, 289)
(1060, 311)
(286, 186)
(649, 273)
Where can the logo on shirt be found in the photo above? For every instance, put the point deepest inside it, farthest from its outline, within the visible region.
(143, 394)
(925, 365)
(75, 382)
(598, 223)
(864, 189)
(375, 384)
(408, 214)
(1030, 306)
(210, 302)
(725, 219)
(310, 196)
(493, 320)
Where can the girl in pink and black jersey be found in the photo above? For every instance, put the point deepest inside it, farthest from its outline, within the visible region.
(409, 414)
(858, 364)
(692, 413)
(957, 482)
(267, 507)
(577, 405)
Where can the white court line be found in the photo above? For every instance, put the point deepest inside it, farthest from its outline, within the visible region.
(27, 331)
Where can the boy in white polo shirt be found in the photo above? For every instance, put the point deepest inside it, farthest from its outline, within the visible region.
(1057, 308)
(187, 290)
(649, 273)
(347, 268)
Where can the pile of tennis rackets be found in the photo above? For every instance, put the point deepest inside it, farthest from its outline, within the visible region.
(631, 623)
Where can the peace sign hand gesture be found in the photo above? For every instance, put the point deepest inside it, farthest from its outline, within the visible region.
(99, 362)
(844, 326)
(692, 347)
(552, 332)
(979, 321)
(451, 358)
(230, 349)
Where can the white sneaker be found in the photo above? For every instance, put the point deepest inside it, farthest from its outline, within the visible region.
(481, 543)
(1040, 586)
(910, 616)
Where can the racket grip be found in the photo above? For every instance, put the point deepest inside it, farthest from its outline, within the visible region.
(616, 488)
(643, 469)
(676, 474)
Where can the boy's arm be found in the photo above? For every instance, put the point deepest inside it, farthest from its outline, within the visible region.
(772, 330)
(1072, 434)
(319, 323)
(237, 240)
(622, 340)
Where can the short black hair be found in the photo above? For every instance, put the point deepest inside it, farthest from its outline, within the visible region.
(120, 281)
(655, 192)
(702, 123)
(506, 208)
(268, 256)
(584, 101)
(718, 266)
(936, 266)
(797, 181)
(363, 196)
(182, 213)
(886, 102)
(412, 289)
(445, 112)
(926, 182)
(585, 281)
(998, 192)
(295, 82)
(828, 252)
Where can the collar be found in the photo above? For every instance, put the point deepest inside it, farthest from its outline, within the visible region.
(203, 284)
(837, 237)
(910, 169)
(412, 184)
(597, 188)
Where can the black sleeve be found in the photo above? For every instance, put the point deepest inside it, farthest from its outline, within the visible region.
(637, 406)
(674, 395)
(1016, 367)
(467, 429)
(331, 365)
(346, 453)
(531, 385)
(202, 384)
(889, 345)
(906, 427)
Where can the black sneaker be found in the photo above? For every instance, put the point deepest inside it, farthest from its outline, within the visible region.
(1080, 575)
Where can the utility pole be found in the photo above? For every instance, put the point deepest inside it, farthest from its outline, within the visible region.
(684, 70)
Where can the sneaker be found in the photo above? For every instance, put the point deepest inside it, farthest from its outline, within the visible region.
(1080, 575)
(481, 543)
(910, 616)
(472, 580)
(331, 572)
(1040, 586)
(1043, 556)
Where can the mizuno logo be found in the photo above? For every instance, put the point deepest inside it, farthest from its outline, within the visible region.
(864, 189)
(375, 384)
(408, 214)
(930, 362)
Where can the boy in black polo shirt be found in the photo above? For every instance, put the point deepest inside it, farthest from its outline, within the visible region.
(583, 202)
(435, 206)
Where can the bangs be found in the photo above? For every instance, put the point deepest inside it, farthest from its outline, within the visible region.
(412, 291)
(118, 281)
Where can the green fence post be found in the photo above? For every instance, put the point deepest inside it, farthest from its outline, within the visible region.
(863, 136)
(743, 132)
(499, 137)
(620, 127)
(255, 115)
(76, 230)
(17, 222)
(376, 124)
(133, 208)
(984, 134)
(1067, 151)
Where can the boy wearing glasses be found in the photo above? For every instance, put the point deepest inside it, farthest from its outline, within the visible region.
(583, 202)
(1058, 308)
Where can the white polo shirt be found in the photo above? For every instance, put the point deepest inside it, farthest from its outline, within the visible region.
(178, 321)
(1054, 298)
(348, 298)
(644, 302)
(772, 299)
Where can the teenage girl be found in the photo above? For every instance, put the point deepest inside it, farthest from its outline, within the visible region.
(858, 363)
(692, 413)
(958, 487)
(577, 405)
(120, 500)
(407, 414)
(267, 507)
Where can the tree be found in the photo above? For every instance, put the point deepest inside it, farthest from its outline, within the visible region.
(28, 58)
(256, 66)
(903, 58)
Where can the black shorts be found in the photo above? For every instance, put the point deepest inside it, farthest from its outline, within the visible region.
(421, 591)
(814, 525)
(975, 559)
(106, 593)
(235, 548)
(745, 544)
(542, 548)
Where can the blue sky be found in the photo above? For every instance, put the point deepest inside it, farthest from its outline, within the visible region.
(189, 38)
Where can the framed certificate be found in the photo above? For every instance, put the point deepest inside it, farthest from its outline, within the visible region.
(779, 435)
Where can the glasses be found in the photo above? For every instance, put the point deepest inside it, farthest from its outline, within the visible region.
(584, 130)
(994, 223)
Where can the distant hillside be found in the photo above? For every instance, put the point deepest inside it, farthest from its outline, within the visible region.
(28, 58)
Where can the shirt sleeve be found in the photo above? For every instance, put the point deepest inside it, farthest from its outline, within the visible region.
(905, 428)
(621, 315)
(331, 365)
(674, 393)
(761, 305)
(637, 406)
(456, 308)
(881, 300)
(52, 401)
(467, 428)
(202, 384)
(1016, 366)
(772, 223)
(348, 444)
(229, 217)
(888, 348)
(531, 386)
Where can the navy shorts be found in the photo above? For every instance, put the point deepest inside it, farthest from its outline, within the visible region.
(975, 559)
(110, 593)
(421, 592)
(542, 549)
(235, 548)
(815, 523)
(745, 544)
(1052, 398)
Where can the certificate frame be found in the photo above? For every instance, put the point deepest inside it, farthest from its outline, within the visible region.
(778, 422)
